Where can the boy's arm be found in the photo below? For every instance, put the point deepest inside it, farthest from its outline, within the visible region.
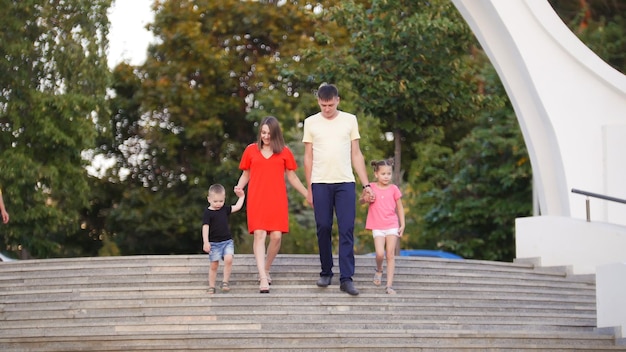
(206, 246)
(235, 208)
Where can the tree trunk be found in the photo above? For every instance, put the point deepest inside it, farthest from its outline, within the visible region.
(397, 173)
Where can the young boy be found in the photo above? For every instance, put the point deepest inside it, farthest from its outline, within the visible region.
(216, 237)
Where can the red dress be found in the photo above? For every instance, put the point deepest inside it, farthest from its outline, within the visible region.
(267, 207)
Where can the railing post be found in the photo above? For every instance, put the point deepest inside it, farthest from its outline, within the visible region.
(601, 196)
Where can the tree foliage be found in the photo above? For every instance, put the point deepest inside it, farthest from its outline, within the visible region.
(53, 60)
(184, 117)
(472, 211)
(600, 24)
(412, 77)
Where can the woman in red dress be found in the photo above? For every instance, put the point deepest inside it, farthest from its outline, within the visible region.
(265, 164)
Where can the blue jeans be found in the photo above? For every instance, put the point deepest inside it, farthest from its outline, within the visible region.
(339, 198)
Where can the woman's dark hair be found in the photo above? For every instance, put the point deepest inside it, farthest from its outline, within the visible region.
(277, 143)
(378, 163)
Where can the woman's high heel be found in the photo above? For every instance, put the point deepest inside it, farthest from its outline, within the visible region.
(264, 286)
(269, 279)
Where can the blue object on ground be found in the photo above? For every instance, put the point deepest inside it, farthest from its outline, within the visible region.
(428, 253)
(425, 253)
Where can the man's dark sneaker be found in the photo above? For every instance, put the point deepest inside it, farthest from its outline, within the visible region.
(324, 281)
(348, 286)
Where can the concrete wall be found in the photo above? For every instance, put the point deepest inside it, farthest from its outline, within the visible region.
(610, 296)
(587, 248)
(563, 241)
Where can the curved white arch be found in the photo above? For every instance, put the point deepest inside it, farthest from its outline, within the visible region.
(569, 103)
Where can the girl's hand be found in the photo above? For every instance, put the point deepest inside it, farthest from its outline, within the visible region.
(368, 196)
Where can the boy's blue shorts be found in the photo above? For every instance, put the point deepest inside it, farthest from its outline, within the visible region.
(221, 249)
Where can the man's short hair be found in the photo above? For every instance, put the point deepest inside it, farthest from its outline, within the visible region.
(327, 92)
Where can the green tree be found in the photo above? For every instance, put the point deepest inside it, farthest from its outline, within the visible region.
(600, 25)
(183, 118)
(412, 76)
(473, 212)
(53, 85)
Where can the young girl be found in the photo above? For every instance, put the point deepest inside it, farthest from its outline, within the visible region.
(385, 217)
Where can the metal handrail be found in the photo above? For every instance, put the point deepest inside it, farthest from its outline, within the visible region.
(596, 195)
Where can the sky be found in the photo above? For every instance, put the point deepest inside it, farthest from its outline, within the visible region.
(128, 38)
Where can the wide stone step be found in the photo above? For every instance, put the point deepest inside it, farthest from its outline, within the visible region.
(248, 282)
(412, 272)
(187, 338)
(286, 262)
(130, 297)
(400, 310)
(419, 297)
(83, 318)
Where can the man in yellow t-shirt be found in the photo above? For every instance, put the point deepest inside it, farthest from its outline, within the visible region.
(331, 150)
(5, 215)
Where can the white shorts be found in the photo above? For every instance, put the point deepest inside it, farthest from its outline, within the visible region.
(388, 232)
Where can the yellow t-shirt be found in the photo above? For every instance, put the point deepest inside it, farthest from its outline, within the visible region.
(332, 146)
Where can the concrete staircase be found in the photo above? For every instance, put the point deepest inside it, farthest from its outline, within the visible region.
(160, 303)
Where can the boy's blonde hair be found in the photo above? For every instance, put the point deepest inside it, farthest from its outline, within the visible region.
(216, 189)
